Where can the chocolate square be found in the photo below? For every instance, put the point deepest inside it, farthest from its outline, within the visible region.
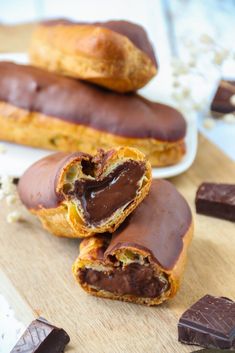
(209, 323)
(42, 337)
(222, 102)
(216, 200)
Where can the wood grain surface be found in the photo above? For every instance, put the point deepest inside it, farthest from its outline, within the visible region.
(39, 268)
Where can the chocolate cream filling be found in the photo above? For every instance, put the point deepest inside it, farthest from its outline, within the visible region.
(101, 198)
(134, 279)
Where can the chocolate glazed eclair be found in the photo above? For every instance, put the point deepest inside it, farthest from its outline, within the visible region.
(78, 195)
(144, 260)
(41, 109)
(115, 54)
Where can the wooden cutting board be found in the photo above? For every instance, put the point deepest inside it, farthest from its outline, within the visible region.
(36, 276)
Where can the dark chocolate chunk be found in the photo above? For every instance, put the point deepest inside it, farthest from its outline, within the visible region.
(209, 323)
(216, 200)
(222, 102)
(42, 337)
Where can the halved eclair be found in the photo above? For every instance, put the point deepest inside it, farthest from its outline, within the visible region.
(78, 195)
(143, 261)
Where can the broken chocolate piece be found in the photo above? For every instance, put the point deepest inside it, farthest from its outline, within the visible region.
(223, 102)
(209, 323)
(216, 200)
(42, 337)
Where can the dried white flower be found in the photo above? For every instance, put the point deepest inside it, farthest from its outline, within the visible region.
(179, 68)
(206, 39)
(14, 216)
(192, 61)
(220, 56)
(7, 185)
(2, 195)
(209, 123)
(11, 199)
(232, 99)
(176, 84)
(198, 106)
(177, 96)
(185, 93)
(229, 118)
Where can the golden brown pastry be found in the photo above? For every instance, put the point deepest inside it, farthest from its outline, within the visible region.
(77, 195)
(115, 54)
(41, 109)
(144, 260)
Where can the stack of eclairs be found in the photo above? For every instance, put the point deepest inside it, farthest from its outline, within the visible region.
(78, 97)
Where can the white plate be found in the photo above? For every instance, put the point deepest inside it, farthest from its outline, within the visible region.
(18, 158)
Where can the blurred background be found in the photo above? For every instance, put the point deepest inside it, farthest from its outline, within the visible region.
(194, 42)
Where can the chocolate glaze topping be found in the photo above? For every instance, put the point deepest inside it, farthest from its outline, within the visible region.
(100, 199)
(77, 102)
(134, 32)
(37, 186)
(157, 226)
(221, 101)
(132, 279)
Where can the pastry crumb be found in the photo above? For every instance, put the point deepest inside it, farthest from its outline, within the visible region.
(209, 123)
(229, 118)
(14, 216)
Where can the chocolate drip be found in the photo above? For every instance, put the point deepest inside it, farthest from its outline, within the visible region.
(101, 198)
(81, 103)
